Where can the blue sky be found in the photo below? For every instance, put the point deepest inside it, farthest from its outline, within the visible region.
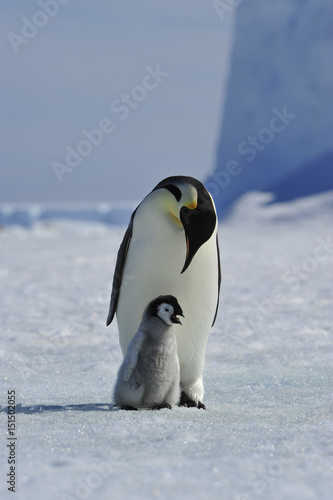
(66, 77)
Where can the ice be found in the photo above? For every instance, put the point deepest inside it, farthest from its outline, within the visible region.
(267, 430)
(277, 121)
(26, 215)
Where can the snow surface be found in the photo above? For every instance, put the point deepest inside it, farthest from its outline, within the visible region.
(267, 431)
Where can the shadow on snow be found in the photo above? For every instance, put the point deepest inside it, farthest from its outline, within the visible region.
(53, 408)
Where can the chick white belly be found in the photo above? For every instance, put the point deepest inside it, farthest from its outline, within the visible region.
(153, 267)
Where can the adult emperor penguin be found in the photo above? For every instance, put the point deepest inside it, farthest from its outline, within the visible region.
(171, 247)
(149, 374)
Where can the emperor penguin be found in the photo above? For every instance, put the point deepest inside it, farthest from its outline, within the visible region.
(171, 247)
(149, 375)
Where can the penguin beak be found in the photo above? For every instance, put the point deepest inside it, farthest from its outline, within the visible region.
(174, 318)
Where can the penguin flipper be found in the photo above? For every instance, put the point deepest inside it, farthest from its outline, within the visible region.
(119, 270)
(219, 277)
(131, 358)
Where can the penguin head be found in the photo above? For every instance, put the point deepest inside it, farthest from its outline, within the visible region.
(167, 308)
(191, 207)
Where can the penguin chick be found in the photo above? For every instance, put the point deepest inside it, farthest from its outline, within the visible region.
(149, 376)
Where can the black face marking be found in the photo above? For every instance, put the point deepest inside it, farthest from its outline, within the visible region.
(199, 224)
(164, 299)
(174, 190)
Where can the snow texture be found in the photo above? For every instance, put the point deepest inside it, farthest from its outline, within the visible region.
(267, 430)
(277, 121)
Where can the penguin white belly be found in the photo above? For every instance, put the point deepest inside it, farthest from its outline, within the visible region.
(153, 267)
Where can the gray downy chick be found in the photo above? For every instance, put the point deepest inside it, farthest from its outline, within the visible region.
(149, 376)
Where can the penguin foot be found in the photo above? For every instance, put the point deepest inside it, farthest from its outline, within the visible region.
(161, 406)
(128, 407)
(201, 406)
(189, 403)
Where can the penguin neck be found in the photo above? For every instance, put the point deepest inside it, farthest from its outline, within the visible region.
(157, 329)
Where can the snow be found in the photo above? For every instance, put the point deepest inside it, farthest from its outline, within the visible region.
(267, 430)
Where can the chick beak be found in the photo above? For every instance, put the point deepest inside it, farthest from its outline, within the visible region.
(174, 318)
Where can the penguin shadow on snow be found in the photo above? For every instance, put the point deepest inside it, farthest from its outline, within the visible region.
(40, 408)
